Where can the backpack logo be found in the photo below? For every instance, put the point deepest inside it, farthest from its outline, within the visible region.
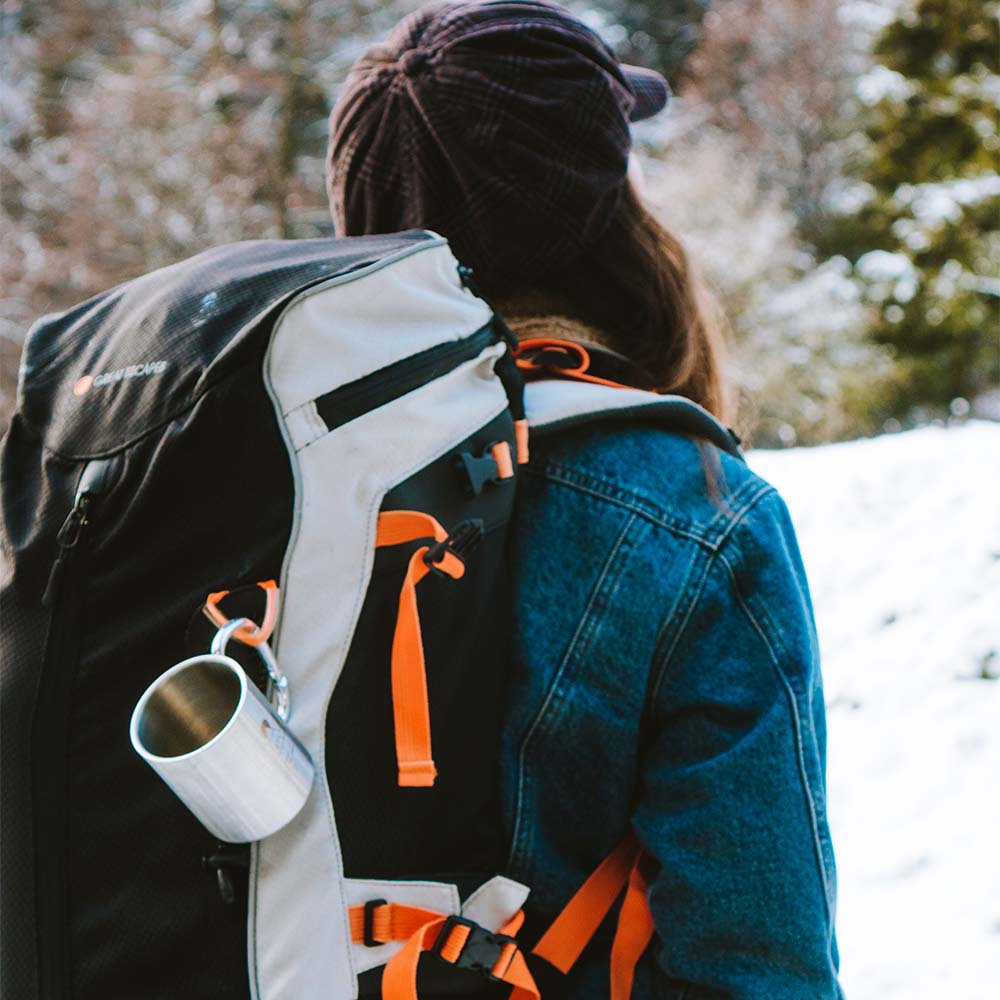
(85, 383)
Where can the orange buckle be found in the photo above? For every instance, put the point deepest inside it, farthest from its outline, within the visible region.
(251, 635)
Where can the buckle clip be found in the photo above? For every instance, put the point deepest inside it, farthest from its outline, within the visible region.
(480, 471)
(369, 926)
(482, 948)
(465, 536)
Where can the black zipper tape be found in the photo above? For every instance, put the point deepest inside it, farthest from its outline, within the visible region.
(390, 383)
(49, 729)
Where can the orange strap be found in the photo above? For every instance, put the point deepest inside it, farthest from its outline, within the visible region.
(634, 932)
(420, 929)
(390, 922)
(533, 370)
(505, 463)
(569, 933)
(521, 435)
(411, 711)
(258, 634)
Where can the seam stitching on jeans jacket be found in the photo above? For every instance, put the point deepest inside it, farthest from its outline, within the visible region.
(585, 626)
(636, 503)
(799, 750)
(664, 658)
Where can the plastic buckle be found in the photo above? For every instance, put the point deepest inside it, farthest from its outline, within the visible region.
(480, 470)
(482, 948)
(369, 937)
(464, 537)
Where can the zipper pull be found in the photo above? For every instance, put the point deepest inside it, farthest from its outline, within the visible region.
(94, 482)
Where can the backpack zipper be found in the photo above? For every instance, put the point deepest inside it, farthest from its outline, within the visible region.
(49, 730)
(94, 483)
(368, 393)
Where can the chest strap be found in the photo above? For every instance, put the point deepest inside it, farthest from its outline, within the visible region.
(453, 939)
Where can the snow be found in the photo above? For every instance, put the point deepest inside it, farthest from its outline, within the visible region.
(880, 265)
(881, 83)
(901, 540)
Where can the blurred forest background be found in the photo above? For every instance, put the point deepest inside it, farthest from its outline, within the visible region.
(832, 163)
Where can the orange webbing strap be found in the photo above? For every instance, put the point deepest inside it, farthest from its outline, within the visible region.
(569, 933)
(505, 463)
(532, 369)
(390, 922)
(635, 931)
(521, 435)
(411, 711)
(420, 929)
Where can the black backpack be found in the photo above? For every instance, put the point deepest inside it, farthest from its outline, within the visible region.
(264, 412)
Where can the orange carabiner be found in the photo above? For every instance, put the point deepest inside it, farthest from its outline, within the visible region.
(257, 635)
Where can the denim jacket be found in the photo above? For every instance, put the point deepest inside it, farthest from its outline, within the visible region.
(667, 678)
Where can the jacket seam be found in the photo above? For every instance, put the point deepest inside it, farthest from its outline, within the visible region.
(763, 489)
(799, 749)
(584, 626)
(668, 653)
(610, 493)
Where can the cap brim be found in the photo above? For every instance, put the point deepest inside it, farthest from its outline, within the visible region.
(652, 92)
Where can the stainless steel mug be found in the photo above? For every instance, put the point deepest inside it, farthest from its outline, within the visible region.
(209, 733)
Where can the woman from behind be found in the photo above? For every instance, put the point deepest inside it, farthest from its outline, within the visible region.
(666, 691)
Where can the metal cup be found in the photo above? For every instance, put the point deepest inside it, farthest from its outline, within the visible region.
(210, 734)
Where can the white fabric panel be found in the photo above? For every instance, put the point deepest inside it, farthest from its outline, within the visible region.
(304, 425)
(352, 326)
(442, 897)
(299, 935)
(551, 400)
(495, 902)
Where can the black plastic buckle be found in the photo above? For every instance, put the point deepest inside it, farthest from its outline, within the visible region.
(480, 470)
(369, 937)
(465, 536)
(221, 860)
(482, 948)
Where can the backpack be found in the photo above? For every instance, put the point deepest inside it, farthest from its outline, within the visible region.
(325, 433)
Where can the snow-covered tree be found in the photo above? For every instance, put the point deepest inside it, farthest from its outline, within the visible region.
(925, 239)
(134, 135)
(798, 353)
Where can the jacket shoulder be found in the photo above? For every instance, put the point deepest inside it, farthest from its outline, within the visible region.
(684, 483)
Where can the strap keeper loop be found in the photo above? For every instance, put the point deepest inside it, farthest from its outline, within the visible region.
(369, 934)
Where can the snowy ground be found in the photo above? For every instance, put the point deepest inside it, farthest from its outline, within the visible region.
(901, 539)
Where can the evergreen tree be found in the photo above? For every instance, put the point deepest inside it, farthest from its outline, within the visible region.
(925, 243)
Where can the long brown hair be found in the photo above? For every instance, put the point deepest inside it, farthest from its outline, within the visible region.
(637, 287)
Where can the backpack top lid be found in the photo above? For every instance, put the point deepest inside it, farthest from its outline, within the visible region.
(99, 376)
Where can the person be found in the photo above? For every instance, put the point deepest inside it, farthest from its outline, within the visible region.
(666, 678)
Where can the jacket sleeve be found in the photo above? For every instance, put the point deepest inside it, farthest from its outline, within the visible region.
(731, 805)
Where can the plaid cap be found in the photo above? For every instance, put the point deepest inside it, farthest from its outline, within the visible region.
(502, 124)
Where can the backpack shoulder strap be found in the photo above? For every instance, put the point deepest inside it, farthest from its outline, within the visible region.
(558, 404)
